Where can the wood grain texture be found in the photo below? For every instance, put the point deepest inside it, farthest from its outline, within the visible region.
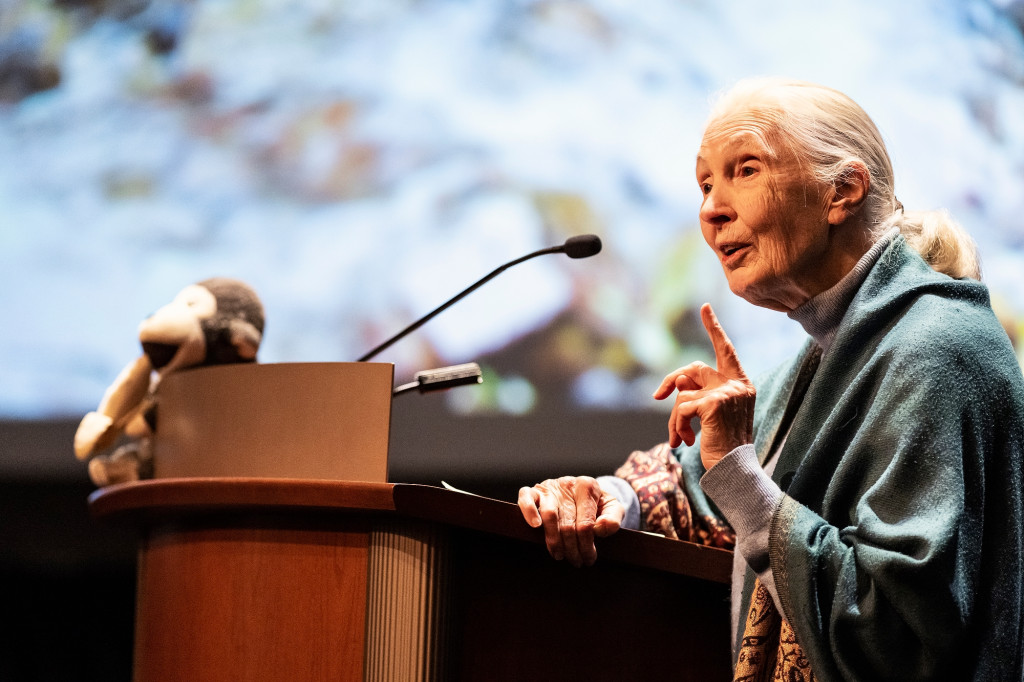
(275, 579)
(249, 603)
(146, 502)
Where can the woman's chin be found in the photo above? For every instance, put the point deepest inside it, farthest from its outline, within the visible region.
(746, 289)
(762, 297)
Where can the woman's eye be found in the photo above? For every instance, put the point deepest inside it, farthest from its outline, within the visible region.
(705, 187)
(747, 171)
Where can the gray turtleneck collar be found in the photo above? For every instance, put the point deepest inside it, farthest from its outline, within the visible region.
(820, 316)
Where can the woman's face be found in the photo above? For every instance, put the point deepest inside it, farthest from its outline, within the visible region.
(764, 219)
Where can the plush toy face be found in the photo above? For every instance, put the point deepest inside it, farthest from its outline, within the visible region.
(216, 321)
(174, 333)
(234, 332)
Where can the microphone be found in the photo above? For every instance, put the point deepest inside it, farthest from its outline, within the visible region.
(443, 378)
(580, 246)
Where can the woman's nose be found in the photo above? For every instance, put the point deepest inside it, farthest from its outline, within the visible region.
(716, 207)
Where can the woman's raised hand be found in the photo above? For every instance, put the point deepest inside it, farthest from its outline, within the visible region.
(722, 397)
(573, 510)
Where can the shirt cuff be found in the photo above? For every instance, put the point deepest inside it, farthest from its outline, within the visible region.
(748, 498)
(625, 494)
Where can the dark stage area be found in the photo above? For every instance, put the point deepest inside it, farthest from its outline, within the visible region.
(67, 587)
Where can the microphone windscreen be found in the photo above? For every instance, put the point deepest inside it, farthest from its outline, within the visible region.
(582, 246)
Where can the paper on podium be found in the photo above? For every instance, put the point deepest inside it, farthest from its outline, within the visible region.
(280, 420)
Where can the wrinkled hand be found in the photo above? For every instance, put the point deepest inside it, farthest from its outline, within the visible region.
(722, 397)
(573, 511)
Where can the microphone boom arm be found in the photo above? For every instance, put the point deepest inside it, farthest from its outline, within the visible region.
(423, 320)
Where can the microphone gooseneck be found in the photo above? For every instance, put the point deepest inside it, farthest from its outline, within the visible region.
(580, 246)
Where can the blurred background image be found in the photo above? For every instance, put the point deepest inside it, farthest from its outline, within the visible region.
(358, 162)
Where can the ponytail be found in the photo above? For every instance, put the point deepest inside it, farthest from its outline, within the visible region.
(940, 240)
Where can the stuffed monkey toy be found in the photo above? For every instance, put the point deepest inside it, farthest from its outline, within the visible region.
(214, 322)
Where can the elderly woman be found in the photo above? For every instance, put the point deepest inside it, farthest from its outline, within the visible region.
(874, 483)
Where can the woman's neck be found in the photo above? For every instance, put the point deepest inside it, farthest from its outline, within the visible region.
(820, 316)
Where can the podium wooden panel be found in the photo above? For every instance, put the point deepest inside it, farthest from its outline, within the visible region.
(273, 579)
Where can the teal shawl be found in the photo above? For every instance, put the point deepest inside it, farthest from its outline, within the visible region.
(897, 550)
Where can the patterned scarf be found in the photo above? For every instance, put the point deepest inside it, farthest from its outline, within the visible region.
(769, 650)
(660, 484)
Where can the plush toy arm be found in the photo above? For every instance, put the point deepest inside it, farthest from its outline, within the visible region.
(129, 462)
(98, 430)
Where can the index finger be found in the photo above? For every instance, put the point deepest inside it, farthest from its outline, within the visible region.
(726, 360)
(677, 380)
(528, 501)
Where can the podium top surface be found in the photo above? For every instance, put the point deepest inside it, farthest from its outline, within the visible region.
(145, 503)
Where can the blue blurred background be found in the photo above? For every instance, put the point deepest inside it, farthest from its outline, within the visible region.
(360, 161)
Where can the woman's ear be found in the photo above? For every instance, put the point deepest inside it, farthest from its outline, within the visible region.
(849, 192)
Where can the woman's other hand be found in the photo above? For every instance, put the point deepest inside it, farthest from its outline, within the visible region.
(722, 397)
(573, 511)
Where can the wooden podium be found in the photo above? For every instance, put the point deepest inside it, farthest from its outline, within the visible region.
(295, 580)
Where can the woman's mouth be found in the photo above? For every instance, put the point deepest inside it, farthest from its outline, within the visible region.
(732, 252)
